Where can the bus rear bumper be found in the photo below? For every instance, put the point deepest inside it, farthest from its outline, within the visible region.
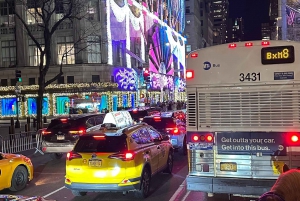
(253, 187)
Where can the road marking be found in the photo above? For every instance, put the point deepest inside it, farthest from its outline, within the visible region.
(53, 192)
(178, 191)
(186, 195)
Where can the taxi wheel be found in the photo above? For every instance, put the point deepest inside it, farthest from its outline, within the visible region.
(19, 179)
(144, 190)
(56, 156)
(78, 193)
(169, 167)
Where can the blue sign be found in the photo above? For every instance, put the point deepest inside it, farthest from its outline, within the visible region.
(206, 65)
(251, 143)
(284, 75)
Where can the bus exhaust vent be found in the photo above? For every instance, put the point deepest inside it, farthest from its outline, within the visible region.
(273, 109)
(191, 109)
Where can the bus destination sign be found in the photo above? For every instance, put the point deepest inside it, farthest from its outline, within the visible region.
(277, 55)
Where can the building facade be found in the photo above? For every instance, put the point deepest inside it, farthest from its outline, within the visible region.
(104, 67)
(220, 17)
(198, 29)
(235, 30)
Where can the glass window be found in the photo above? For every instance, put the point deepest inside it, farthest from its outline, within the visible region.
(188, 48)
(58, 124)
(90, 122)
(145, 136)
(99, 120)
(34, 53)
(136, 137)
(187, 9)
(154, 134)
(33, 15)
(4, 82)
(31, 81)
(70, 79)
(61, 80)
(95, 78)
(8, 53)
(65, 48)
(160, 124)
(92, 10)
(110, 144)
(13, 82)
(94, 49)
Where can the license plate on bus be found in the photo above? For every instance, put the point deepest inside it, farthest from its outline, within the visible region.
(95, 163)
(228, 166)
(60, 137)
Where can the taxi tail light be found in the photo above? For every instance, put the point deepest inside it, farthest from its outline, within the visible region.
(44, 132)
(157, 118)
(125, 156)
(174, 131)
(77, 132)
(73, 155)
(99, 137)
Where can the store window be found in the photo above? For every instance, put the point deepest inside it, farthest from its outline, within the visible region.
(34, 12)
(7, 14)
(65, 49)
(8, 51)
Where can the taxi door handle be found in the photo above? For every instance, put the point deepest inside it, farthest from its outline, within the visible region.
(147, 152)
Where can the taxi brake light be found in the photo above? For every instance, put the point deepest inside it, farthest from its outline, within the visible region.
(194, 55)
(189, 74)
(99, 137)
(46, 132)
(72, 155)
(295, 138)
(126, 156)
(175, 131)
(232, 45)
(209, 138)
(265, 43)
(64, 120)
(157, 118)
(248, 44)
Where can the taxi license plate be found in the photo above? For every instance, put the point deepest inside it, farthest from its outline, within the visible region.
(60, 137)
(228, 166)
(95, 163)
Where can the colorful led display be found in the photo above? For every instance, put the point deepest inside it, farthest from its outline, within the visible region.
(126, 78)
(32, 106)
(62, 105)
(8, 106)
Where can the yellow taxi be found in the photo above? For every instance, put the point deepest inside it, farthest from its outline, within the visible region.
(119, 160)
(15, 171)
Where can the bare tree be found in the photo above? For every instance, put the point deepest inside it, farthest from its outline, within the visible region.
(44, 15)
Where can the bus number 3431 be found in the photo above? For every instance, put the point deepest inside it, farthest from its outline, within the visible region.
(249, 77)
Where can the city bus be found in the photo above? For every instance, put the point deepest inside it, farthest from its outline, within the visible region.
(243, 116)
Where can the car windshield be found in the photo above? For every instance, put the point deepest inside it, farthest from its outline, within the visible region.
(65, 124)
(109, 144)
(161, 123)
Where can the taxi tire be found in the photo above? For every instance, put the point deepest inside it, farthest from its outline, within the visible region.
(144, 190)
(78, 193)
(56, 156)
(169, 167)
(22, 173)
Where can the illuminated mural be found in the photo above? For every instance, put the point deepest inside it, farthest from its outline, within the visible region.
(146, 30)
(126, 78)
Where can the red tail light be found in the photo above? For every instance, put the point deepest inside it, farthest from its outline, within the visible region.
(232, 45)
(294, 138)
(44, 132)
(126, 156)
(72, 155)
(202, 138)
(64, 120)
(78, 132)
(189, 74)
(194, 55)
(175, 131)
(135, 111)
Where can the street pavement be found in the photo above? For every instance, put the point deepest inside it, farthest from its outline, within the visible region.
(49, 182)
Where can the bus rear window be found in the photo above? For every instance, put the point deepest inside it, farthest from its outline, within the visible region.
(110, 144)
(161, 124)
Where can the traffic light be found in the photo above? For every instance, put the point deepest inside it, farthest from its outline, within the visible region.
(146, 75)
(18, 76)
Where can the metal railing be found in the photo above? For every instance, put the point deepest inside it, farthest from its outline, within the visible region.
(23, 141)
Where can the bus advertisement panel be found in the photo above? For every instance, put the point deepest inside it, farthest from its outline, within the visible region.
(243, 115)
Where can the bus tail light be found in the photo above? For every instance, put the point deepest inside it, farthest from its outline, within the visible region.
(265, 43)
(248, 44)
(232, 45)
(189, 74)
(295, 138)
(194, 55)
(202, 138)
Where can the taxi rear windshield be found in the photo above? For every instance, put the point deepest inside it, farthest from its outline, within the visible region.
(161, 123)
(59, 124)
(87, 144)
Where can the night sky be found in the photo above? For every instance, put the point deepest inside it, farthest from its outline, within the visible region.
(254, 13)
